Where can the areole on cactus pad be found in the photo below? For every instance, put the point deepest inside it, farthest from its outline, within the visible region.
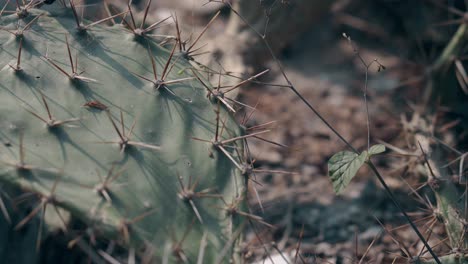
(120, 133)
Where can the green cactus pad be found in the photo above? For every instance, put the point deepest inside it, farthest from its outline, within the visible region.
(107, 122)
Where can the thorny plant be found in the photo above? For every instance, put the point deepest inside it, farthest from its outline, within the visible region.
(189, 53)
(82, 28)
(103, 187)
(21, 166)
(127, 223)
(17, 67)
(75, 75)
(125, 141)
(51, 122)
(221, 96)
(225, 146)
(44, 200)
(19, 32)
(22, 8)
(140, 31)
(161, 81)
(177, 245)
(189, 195)
(108, 197)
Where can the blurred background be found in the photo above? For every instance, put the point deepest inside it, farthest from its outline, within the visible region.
(421, 90)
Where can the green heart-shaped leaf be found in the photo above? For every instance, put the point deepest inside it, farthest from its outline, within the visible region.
(343, 166)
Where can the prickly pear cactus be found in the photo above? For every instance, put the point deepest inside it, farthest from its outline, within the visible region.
(102, 125)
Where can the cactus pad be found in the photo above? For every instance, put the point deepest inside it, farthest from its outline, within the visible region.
(117, 131)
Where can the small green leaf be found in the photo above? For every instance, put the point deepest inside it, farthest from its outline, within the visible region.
(343, 166)
(376, 149)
